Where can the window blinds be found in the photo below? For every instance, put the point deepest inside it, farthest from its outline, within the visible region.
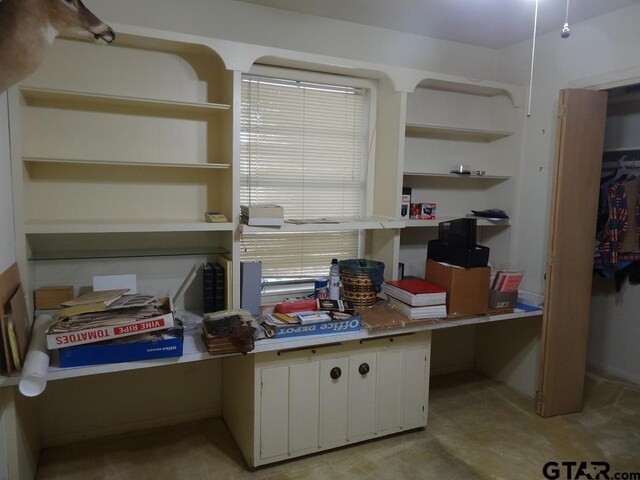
(303, 146)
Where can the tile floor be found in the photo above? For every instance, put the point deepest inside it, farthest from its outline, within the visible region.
(478, 429)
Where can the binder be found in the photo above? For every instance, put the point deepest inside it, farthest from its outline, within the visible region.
(251, 286)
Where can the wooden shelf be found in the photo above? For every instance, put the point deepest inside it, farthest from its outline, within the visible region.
(123, 226)
(622, 149)
(115, 253)
(473, 87)
(42, 96)
(482, 222)
(456, 176)
(125, 164)
(370, 223)
(442, 131)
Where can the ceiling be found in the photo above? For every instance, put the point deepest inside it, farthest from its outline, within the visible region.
(487, 23)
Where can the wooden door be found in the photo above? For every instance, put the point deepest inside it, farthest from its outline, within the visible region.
(362, 395)
(274, 411)
(334, 385)
(304, 404)
(415, 385)
(389, 390)
(572, 228)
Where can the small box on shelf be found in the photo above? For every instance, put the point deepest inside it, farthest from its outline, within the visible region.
(499, 299)
(405, 206)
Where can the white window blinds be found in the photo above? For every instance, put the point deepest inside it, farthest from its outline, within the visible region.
(303, 146)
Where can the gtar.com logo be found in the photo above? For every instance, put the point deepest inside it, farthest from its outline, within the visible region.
(568, 470)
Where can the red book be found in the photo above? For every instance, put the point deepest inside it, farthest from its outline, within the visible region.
(415, 292)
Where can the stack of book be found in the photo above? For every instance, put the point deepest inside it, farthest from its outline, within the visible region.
(229, 331)
(110, 327)
(262, 215)
(416, 298)
(507, 280)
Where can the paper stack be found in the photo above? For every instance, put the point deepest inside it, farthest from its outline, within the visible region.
(107, 315)
(262, 215)
(416, 298)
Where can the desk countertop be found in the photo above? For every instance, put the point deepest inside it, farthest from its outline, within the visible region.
(194, 349)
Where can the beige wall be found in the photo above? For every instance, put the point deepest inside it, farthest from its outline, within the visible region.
(605, 47)
(237, 21)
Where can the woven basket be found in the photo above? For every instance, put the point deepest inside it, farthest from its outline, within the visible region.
(361, 281)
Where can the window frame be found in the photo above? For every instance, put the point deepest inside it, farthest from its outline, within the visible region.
(279, 287)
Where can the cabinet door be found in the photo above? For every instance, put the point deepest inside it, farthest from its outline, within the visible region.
(274, 411)
(362, 394)
(334, 384)
(414, 386)
(388, 389)
(304, 402)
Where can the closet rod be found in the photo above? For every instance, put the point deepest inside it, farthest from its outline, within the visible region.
(618, 164)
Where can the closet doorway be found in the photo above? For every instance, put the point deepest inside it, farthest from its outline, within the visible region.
(583, 117)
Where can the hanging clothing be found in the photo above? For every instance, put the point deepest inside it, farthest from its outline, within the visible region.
(616, 225)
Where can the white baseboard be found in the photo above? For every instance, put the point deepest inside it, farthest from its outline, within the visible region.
(616, 372)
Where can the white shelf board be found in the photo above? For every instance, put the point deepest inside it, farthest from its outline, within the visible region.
(453, 175)
(443, 131)
(370, 223)
(35, 96)
(123, 226)
(474, 87)
(125, 164)
(194, 349)
(482, 222)
(622, 149)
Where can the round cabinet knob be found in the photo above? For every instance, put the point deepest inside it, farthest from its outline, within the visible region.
(335, 373)
(363, 369)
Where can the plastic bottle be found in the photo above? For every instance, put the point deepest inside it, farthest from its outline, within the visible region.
(334, 280)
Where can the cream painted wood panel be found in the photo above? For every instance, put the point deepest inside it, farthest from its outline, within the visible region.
(274, 411)
(414, 386)
(304, 402)
(362, 395)
(388, 389)
(572, 228)
(346, 407)
(333, 402)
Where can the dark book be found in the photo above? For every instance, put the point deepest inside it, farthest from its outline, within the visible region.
(208, 288)
(219, 288)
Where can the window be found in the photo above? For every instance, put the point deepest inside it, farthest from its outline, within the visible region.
(304, 146)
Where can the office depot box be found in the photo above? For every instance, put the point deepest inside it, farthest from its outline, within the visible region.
(168, 344)
(467, 288)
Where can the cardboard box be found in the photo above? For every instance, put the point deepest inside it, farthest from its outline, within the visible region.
(92, 335)
(405, 206)
(351, 324)
(49, 298)
(467, 288)
(498, 299)
(428, 211)
(109, 352)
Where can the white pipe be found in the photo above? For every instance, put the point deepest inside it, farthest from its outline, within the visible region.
(36, 364)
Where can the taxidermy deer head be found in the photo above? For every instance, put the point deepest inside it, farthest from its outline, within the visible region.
(28, 28)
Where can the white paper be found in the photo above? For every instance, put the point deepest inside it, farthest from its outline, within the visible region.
(36, 364)
(114, 282)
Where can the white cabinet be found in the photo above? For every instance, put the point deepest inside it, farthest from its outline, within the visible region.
(304, 401)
